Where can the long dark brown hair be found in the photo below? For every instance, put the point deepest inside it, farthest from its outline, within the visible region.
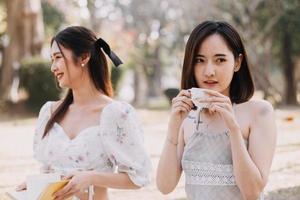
(81, 40)
(241, 86)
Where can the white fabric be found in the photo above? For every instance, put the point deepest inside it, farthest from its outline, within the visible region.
(117, 143)
(198, 98)
(201, 173)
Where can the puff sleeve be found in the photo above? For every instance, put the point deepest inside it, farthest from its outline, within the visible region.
(122, 138)
(38, 142)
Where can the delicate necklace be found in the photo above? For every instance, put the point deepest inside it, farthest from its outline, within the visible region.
(199, 121)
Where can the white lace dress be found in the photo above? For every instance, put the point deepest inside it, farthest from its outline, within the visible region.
(115, 144)
(207, 164)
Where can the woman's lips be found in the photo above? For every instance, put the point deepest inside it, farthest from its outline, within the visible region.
(58, 76)
(210, 83)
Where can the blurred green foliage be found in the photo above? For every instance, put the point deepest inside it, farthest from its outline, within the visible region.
(52, 17)
(116, 76)
(289, 23)
(37, 79)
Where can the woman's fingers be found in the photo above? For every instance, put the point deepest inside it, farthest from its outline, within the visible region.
(21, 187)
(217, 99)
(68, 194)
(63, 191)
(181, 108)
(186, 93)
(184, 96)
(214, 98)
(67, 177)
(213, 93)
(219, 106)
(184, 99)
(182, 103)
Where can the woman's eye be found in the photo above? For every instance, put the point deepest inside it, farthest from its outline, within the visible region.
(220, 60)
(199, 60)
(54, 58)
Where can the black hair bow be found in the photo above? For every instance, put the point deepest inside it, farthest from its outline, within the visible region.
(100, 43)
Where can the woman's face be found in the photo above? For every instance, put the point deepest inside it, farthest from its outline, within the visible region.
(67, 77)
(215, 64)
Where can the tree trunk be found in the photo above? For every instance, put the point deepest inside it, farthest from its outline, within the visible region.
(154, 79)
(25, 30)
(140, 97)
(289, 68)
(95, 22)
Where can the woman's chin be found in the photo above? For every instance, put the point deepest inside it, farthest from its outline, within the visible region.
(62, 85)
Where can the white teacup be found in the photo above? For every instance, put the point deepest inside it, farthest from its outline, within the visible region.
(198, 98)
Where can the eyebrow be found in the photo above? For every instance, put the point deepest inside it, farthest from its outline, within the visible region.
(220, 55)
(199, 56)
(55, 53)
(216, 55)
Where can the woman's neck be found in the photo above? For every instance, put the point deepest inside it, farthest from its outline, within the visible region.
(83, 96)
(86, 93)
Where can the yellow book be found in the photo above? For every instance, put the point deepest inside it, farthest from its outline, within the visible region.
(39, 187)
(45, 195)
(51, 189)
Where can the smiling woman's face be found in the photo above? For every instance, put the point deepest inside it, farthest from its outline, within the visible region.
(215, 64)
(66, 72)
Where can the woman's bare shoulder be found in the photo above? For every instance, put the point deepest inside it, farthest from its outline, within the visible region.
(257, 107)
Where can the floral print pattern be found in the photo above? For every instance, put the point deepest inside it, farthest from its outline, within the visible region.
(116, 144)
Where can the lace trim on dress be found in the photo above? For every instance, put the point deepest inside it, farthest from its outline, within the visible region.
(201, 173)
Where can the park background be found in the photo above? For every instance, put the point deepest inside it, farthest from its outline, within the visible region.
(149, 36)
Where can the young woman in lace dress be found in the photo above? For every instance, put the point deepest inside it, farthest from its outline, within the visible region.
(225, 150)
(87, 135)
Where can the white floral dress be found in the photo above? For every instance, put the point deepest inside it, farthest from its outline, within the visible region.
(115, 144)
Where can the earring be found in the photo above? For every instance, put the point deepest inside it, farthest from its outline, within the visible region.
(82, 64)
